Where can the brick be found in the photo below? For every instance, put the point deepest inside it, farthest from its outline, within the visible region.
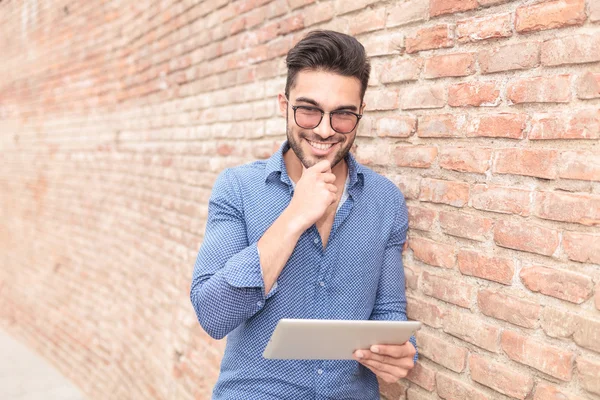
(422, 375)
(407, 12)
(411, 276)
(588, 86)
(503, 125)
(545, 391)
(424, 311)
(501, 199)
(344, 7)
(474, 94)
(367, 21)
(594, 9)
(384, 43)
(391, 391)
(589, 374)
(597, 297)
(549, 15)
(460, 64)
(423, 96)
(448, 289)
(541, 89)
(525, 236)
(584, 124)
(537, 163)
(579, 208)
(482, 28)
(400, 126)
(508, 308)
(440, 7)
(421, 218)
(383, 99)
(318, 13)
(463, 159)
(565, 285)
(574, 49)
(582, 165)
(409, 186)
(441, 126)
(548, 359)
(432, 253)
(435, 37)
(414, 393)
(500, 377)
(582, 247)
(472, 329)
(488, 3)
(467, 226)
(455, 194)
(415, 156)
(449, 388)
(442, 352)
(401, 70)
(509, 58)
(495, 269)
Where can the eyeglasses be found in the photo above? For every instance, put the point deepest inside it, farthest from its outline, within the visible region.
(310, 117)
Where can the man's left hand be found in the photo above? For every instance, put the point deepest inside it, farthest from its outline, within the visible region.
(389, 362)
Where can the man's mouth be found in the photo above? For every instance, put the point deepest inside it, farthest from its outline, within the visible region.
(320, 146)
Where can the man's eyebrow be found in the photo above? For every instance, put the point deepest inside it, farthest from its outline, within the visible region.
(315, 103)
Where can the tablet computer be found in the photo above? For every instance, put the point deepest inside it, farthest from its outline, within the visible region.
(319, 339)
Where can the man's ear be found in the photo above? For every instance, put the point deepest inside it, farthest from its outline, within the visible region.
(282, 104)
(362, 108)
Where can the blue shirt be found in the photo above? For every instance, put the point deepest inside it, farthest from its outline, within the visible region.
(358, 276)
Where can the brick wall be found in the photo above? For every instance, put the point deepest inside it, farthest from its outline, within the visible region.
(117, 116)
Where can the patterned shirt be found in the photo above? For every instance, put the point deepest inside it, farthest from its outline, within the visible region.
(358, 276)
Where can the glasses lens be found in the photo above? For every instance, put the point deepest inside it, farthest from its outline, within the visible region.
(308, 118)
(343, 122)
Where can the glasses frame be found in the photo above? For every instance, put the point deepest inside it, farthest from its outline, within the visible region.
(331, 113)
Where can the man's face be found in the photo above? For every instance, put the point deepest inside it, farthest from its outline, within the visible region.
(329, 92)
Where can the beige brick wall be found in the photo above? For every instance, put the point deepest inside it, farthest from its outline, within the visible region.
(117, 116)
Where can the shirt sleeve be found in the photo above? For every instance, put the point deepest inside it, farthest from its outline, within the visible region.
(227, 284)
(390, 301)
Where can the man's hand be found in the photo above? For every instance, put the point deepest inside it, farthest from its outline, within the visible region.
(389, 362)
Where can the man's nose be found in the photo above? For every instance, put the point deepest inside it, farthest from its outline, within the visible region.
(324, 129)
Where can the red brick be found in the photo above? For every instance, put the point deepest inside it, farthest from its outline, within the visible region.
(582, 247)
(409, 186)
(466, 159)
(508, 308)
(509, 57)
(564, 285)
(594, 11)
(488, 3)
(423, 96)
(467, 226)
(589, 374)
(392, 391)
(424, 311)
(525, 236)
(440, 7)
(407, 12)
(472, 329)
(448, 289)
(584, 124)
(455, 194)
(422, 375)
(541, 89)
(441, 126)
(474, 94)
(481, 28)
(571, 50)
(368, 20)
(500, 377)
(396, 126)
(566, 324)
(421, 218)
(343, 7)
(548, 359)
(588, 86)
(383, 99)
(494, 269)
(566, 207)
(318, 13)
(411, 276)
(379, 44)
(416, 393)
(460, 64)
(583, 165)
(442, 352)
(538, 163)
(501, 199)
(401, 70)
(503, 125)
(545, 391)
(550, 15)
(415, 156)
(449, 388)
(435, 37)
(432, 253)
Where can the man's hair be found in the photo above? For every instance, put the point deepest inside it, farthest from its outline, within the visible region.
(328, 51)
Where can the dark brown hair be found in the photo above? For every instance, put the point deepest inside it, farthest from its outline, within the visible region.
(328, 51)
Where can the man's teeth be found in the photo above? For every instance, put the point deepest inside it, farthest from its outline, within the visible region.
(319, 145)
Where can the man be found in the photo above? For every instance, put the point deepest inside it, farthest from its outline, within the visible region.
(309, 233)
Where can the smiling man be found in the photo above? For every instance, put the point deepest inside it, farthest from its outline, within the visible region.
(308, 233)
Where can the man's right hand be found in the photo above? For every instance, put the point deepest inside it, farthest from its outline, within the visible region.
(315, 192)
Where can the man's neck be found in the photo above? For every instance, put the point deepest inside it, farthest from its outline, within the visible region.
(293, 166)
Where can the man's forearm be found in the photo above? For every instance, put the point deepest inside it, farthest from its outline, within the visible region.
(276, 246)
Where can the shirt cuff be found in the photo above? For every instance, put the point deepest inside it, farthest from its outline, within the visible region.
(244, 270)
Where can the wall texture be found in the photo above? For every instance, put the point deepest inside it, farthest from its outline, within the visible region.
(117, 116)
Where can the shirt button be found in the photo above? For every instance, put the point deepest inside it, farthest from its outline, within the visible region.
(316, 241)
(321, 283)
(259, 303)
(319, 371)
